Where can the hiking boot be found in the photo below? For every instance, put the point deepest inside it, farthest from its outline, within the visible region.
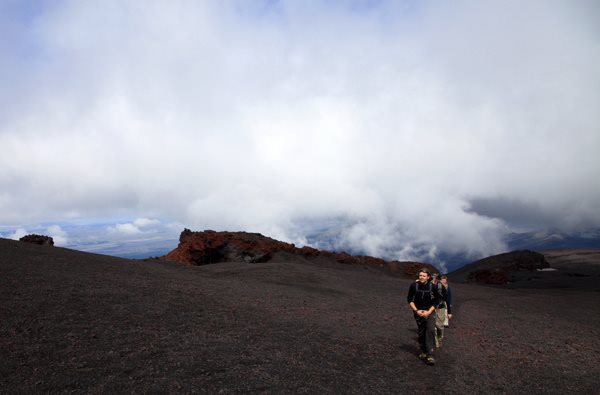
(422, 356)
(429, 360)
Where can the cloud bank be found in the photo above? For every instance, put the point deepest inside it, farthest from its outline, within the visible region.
(408, 124)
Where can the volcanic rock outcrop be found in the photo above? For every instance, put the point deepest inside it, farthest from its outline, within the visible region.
(209, 246)
(38, 239)
(501, 269)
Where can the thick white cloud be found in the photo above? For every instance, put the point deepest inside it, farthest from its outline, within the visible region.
(125, 229)
(59, 236)
(17, 234)
(397, 118)
(136, 228)
(145, 222)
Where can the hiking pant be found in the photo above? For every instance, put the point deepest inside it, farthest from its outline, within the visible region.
(441, 317)
(426, 332)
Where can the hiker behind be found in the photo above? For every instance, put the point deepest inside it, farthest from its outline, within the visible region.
(443, 308)
(444, 281)
(422, 299)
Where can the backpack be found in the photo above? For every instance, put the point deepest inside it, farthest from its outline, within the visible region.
(442, 303)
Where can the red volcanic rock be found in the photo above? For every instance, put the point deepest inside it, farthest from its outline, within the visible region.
(38, 239)
(209, 246)
(309, 252)
(343, 257)
(411, 269)
(202, 248)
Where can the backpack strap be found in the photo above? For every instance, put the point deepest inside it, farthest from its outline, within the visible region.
(423, 292)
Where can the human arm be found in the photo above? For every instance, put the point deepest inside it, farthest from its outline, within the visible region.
(448, 295)
(426, 313)
(449, 301)
(410, 299)
(421, 313)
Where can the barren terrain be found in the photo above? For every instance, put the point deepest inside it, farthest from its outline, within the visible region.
(78, 322)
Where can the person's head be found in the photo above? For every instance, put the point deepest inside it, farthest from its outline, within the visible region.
(424, 276)
(434, 278)
(444, 280)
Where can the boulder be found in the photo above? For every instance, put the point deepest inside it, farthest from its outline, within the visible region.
(203, 248)
(38, 239)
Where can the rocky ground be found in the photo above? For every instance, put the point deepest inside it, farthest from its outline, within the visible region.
(551, 269)
(77, 322)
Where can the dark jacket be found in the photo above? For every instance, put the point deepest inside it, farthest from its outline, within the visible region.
(424, 295)
(446, 298)
(449, 300)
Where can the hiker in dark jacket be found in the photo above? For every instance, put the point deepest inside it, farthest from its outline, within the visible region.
(444, 281)
(443, 309)
(422, 298)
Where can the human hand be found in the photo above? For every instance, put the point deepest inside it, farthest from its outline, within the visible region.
(449, 316)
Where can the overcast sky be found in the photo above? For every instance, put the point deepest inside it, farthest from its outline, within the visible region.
(413, 126)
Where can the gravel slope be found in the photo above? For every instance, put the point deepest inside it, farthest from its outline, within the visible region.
(78, 322)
